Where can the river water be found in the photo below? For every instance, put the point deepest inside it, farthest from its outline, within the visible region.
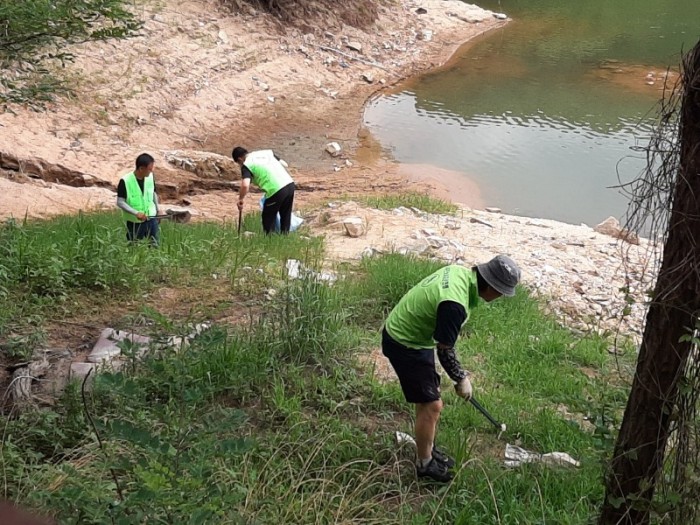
(544, 114)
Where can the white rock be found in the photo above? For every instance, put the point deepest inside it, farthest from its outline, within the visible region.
(355, 46)
(493, 210)
(333, 149)
(451, 224)
(223, 37)
(368, 77)
(437, 242)
(354, 226)
(500, 16)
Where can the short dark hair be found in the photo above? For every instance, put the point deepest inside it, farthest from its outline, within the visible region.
(238, 152)
(481, 283)
(144, 160)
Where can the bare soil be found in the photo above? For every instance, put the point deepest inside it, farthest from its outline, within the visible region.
(202, 77)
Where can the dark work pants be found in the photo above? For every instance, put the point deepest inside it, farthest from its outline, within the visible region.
(280, 202)
(135, 231)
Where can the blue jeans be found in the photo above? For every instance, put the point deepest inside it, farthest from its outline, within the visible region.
(150, 229)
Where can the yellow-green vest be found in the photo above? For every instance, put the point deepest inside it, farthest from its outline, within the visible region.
(412, 321)
(268, 173)
(140, 201)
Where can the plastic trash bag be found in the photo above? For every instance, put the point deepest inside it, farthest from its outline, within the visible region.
(516, 456)
(295, 222)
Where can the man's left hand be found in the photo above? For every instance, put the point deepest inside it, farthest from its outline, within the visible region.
(240, 204)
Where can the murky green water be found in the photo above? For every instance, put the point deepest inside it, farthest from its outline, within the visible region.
(542, 114)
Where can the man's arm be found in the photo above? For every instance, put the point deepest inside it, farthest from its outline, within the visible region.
(156, 202)
(450, 318)
(246, 176)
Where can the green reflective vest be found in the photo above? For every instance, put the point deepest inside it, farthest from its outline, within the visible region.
(412, 321)
(140, 201)
(268, 172)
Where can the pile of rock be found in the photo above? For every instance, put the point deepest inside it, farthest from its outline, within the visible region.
(591, 281)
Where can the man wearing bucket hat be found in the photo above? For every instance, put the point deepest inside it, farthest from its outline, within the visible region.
(432, 314)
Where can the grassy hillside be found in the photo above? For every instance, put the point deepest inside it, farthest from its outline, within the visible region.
(273, 415)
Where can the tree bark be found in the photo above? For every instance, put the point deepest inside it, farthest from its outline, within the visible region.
(641, 443)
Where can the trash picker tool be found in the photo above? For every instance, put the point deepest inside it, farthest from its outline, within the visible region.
(173, 215)
(500, 426)
(240, 220)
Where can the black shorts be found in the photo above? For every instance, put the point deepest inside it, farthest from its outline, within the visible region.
(416, 370)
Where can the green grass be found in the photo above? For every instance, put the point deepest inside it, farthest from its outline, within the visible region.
(47, 268)
(276, 422)
(421, 201)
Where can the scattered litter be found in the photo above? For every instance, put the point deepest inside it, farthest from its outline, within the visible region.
(402, 437)
(295, 270)
(517, 456)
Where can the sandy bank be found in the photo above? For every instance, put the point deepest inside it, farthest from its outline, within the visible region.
(199, 78)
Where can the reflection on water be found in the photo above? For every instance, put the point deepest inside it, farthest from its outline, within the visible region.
(542, 114)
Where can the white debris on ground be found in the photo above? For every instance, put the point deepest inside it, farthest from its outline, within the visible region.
(592, 282)
(403, 438)
(296, 270)
(517, 456)
(108, 352)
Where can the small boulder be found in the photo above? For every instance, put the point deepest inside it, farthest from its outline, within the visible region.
(611, 226)
(354, 226)
(493, 210)
(333, 149)
(368, 77)
(355, 46)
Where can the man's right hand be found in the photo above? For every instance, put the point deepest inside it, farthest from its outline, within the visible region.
(464, 388)
(240, 204)
(141, 216)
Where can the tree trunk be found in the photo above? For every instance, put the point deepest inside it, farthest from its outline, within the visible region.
(641, 443)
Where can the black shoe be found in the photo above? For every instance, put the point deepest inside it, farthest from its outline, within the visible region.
(441, 457)
(435, 471)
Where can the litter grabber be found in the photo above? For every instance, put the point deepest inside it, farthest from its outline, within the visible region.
(240, 221)
(174, 215)
(500, 426)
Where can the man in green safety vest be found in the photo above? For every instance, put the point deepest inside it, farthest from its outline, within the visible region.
(138, 200)
(432, 314)
(268, 172)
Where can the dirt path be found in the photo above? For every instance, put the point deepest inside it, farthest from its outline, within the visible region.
(199, 78)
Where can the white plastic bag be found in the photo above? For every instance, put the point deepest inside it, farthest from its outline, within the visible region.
(294, 224)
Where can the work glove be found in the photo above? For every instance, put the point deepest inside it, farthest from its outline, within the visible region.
(464, 388)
